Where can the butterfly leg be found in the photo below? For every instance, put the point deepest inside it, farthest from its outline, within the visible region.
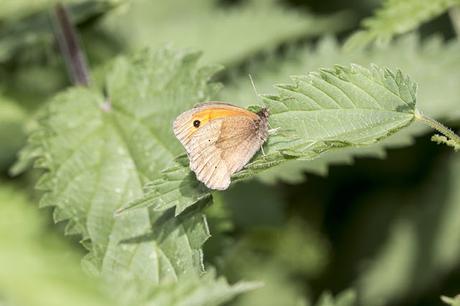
(262, 149)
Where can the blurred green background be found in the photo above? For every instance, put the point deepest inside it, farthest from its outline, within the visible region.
(382, 221)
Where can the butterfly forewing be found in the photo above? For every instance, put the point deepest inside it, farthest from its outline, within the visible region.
(222, 145)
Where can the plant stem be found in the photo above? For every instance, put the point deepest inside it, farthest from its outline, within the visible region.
(74, 57)
(437, 126)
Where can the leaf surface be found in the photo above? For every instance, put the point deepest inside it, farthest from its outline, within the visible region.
(434, 65)
(341, 107)
(99, 152)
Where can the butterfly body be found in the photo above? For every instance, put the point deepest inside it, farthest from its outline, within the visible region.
(220, 139)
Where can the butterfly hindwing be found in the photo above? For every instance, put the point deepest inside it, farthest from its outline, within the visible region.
(222, 144)
(221, 148)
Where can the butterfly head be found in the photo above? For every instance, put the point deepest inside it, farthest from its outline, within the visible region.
(264, 113)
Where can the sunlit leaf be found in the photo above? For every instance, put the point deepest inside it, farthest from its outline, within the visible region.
(432, 63)
(336, 108)
(98, 152)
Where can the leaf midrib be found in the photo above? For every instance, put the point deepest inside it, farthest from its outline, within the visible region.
(341, 110)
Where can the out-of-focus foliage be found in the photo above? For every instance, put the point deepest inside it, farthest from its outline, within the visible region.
(31, 70)
(451, 301)
(423, 235)
(397, 17)
(253, 26)
(46, 269)
(365, 231)
(29, 26)
(346, 298)
(12, 135)
(268, 250)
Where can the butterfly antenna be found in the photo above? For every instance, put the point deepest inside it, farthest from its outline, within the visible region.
(253, 86)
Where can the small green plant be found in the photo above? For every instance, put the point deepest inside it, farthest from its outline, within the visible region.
(106, 163)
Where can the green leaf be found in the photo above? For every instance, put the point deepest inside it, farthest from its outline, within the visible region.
(334, 108)
(397, 17)
(425, 234)
(434, 63)
(225, 35)
(38, 267)
(12, 136)
(98, 153)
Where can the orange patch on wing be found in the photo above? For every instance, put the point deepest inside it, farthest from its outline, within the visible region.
(212, 113)
(215, 113)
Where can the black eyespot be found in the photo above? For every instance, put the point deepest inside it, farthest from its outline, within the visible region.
(196, 123)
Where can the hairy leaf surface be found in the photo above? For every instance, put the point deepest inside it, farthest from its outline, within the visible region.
(434, 64)
(99, 152)
(335, 108)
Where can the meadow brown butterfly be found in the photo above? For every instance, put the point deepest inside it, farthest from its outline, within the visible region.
(220, 139)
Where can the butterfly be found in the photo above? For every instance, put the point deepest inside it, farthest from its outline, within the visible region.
(220, 139)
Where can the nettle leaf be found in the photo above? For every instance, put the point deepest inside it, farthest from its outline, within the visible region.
(99, 152)
(397, 17)
(334, 108)
(433, 63)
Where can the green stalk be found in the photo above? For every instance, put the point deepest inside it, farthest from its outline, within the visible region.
(437, 126)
